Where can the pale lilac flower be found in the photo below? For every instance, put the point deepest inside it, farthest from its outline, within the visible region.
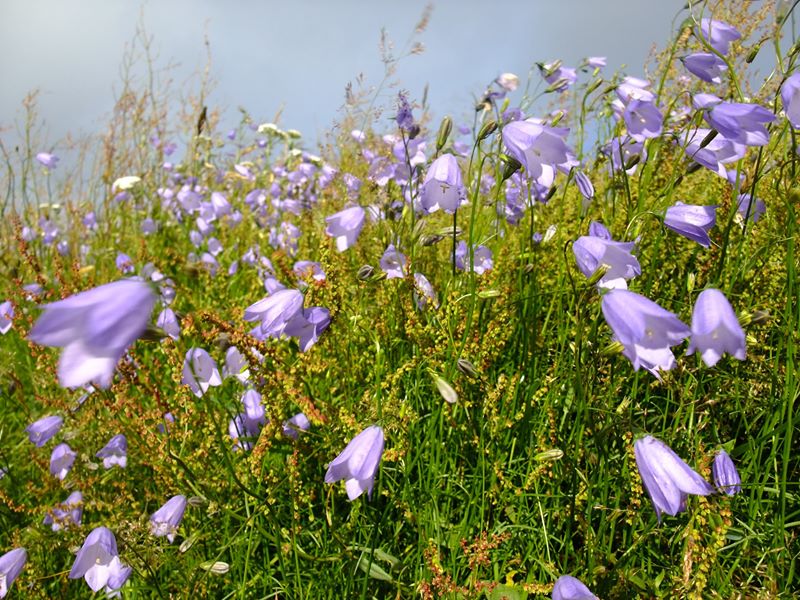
(124, 263)
(220, 204)
(254, 415)
(237, 430)
(726, 477)
(358, 463)
(790, 95)
(6, 316)
(568, 587)
(165, 521)
(358, 136)
(596, 62)
(167, 321)
(200, 371)
(646, 330)
(149, 226)
(666, 478)
(47, 159)
(11, 564)
(394, 263)
(705, 65)
(691, 221)
(294, 426)
(599, 230)
(308, 326)
(633, 88)
(353, 185)
(115, 452)
(39, 432)
(95, 328)
(719, 34)
(592, 252)
(275, 311)
(643, 120)
(98, 562)
(482, 255)
(345, 226)
(404, 118)
(751, 208)
(584, 184)
(539, 148)
(715, 328)
(625, 151)
(555, 73)
(443, 186)
(716, 153)
(742, 123)
(508, 81)
(67, 513)
(305, 269)
(61, 460)
(236, 365)
(424, 293)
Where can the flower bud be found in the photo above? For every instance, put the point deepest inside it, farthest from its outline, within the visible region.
(549, 455)
(444, 133)
(488, 129)
(512, 165)
(466, 367)
(445, 389)
(366, 272)
(709, 138)
(751, 56)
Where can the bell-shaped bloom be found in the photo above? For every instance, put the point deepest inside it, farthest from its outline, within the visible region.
(738, 122)
(67, 513)
(596, 62)
(568, 587)
(294, 426)
(482, 254)
(308, 326)
(751, 208)
(424, 293)
(394, 263)
(345, 226)
(165, 521)
(235, 365)
(167, 321)
(584, 184)
(625, 153)
(98, 562)
(6, 316)
(309, 269)
(200, 371)
(508, 81)
(115, 452)
(597, 229)
(790, 95)
(539, 148)
(716, 153)
(47, 159)
(358, 463)
(715, 328)
(124, 263)
(643, 120)
(705, 65)
(719, 34)
(61, 460)
(95, 328)
(39, 432)
(559, 76)
(592, 252)
(691, 221)
(11, 564)
(443, 186)
(646, 330)
(726, 477)
(254, 414)
(275, 311)
(666, 478)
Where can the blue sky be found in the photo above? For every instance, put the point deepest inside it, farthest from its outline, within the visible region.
(298, 56)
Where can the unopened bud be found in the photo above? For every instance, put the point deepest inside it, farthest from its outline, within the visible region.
(366, 272)
(216, 567)
(466, 367)
(751, 56)
(430, 240)
(551, 193)
(690, 280)
(599, 273)
(549, 455)
(557, 85)
(632, 161)
(557, 118)
(594, 85)
(488, 129)
(709, 138)
(444, 132)
(488, 294)
(445, 389)
(413, 131)
(512, 165)
(693, 168)
(612, 349)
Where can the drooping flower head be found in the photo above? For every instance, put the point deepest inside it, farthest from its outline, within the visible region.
(443, 186)
(539, 148)
(47, 159)
(345, 226)
(39, 432)
(394, 263)
(643, 120)
(591, 252)
(6, 316)
(666, 478)
(691, 221)
(715, 328)
(558, 75)
(95, 328)
(67, 513)
(719, 34)
(716, 153)
(165, 521)
(738, 122)
(568, 587)
(11, 564)
(294, 426)
(98, 562)
(61, 460)
(275, 311)
(726, 477)
(200, 371)
(705, 65)
(646, 330)
(482, 254)
(358, 463)
(115, 452)
(790, 95)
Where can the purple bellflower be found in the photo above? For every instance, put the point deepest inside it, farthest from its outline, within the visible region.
(584, 184)
(200, 371)
(124, 263)
(67, 513)
(443, 186)
(46, 159)
(165, 521)
(358, 463)
(95, 328)
(98, 562)
(623, 151)
(715, 328)
(11, 564)
(643, 120)
(716, 154)
(345, 226)
(308, 326)
(555, 73)
(275, 311)
(691, 221)
(751, 208)
(394, 263)
(568, 587)
(61, 460)
(726, 477)
(6, 316)
(294, 426)
(596, 62)
(646, 330)
(705, 65)
(39, 432)
(115, 452)
(539, 148)
(482, 254)
(591, 252)
(719, 34)
(167, 321)
(235, 365)
(666, 478)
(742, 123)
(790, 95)
(424, 293)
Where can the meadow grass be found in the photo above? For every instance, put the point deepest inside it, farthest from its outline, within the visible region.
(528, 475)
